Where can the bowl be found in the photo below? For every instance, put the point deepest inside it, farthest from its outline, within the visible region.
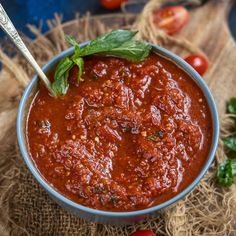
(100, 216)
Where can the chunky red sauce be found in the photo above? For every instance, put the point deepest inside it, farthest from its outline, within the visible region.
(129, 136)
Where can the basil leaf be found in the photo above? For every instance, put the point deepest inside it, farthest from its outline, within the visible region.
(77, 50)
(71, 40)
(80, 63)
(230, 143)
(64, 65)
(225, 172)
(232, 105)
(115, 43)
(107, 42)
(131, 50)
(60, 84)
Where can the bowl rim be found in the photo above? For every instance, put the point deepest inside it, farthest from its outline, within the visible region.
(53, 192)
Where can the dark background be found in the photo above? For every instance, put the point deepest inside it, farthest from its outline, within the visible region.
(22, 12)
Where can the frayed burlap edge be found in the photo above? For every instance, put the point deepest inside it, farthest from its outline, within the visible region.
(207, 210)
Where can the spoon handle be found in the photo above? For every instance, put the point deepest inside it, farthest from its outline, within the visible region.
(8, 27)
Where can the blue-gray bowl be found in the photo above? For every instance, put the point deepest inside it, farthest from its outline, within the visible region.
(100, 216)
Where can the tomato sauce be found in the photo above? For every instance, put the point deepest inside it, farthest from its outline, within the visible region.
(127, 137)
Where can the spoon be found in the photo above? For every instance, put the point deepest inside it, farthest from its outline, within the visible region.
(8, 27)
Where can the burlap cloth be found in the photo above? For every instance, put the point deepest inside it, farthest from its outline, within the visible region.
(26, 209)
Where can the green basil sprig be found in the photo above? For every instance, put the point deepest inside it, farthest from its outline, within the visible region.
(232, 105)
(230, 143)
(60, 84)
(118, 43)
(226, 170)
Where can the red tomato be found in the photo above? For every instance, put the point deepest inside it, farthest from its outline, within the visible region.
(144, 232)
(112, 4)
(198, 62)
(171, 19)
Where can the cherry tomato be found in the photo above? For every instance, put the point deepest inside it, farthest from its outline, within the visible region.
(171, 19)
(144, 232)
(112, 4)
(198, 62)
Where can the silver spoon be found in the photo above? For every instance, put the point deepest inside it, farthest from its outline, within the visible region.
(10, 30)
